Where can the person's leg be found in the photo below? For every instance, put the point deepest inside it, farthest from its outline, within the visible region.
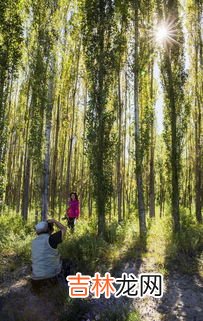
(66, 265)
(72, 224)
(39, 285)
(69, 222)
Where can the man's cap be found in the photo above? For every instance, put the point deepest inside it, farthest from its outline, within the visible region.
(41, 227)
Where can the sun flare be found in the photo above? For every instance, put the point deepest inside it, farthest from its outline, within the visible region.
(165, 32)
(162, 33)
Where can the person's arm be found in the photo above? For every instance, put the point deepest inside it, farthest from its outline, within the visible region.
(59, 225)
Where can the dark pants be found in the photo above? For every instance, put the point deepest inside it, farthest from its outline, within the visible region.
(71, 223)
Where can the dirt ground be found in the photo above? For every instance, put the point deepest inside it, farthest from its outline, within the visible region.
(182, 299)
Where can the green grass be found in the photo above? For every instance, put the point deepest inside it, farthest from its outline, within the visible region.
(77, 308)
(15, 240)
(122, 315)
(182, 251)
(90, 253)
(185, 249)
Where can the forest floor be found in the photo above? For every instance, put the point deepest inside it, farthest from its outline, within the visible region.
(182, 299)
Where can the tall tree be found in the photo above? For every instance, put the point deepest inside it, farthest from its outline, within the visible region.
(172, 68)
(10, 52)
(138, 152)
(98, 42)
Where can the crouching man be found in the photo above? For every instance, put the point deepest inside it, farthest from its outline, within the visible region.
(46, 261)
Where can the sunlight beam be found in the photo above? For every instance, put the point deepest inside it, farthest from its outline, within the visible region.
(165, 33)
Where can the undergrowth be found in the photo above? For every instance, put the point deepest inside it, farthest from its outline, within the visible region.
(89, 253)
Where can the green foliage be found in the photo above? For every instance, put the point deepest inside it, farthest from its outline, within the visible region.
(184, 248)
(13, 231)
(86, 251)
(174, 77)
(120, 314)
(189, 241)
(133, 316)
(10, 53)
(91, 253)
(103, 47)
(10, 37)
(44, 35)
(15, 242)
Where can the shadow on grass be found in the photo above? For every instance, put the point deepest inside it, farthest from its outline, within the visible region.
(131, 260)
(89, 254)
(183, 297)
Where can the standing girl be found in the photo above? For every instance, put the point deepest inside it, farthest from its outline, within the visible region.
(73, 211)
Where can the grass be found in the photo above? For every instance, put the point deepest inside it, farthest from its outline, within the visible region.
(15, 240)
(123, 315)
(182, 251)
(185, 249)
(90, 253)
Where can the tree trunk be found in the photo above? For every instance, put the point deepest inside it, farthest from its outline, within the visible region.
(26, 172)
(151, 180)
(174, 153)
(72, 125)
(119, 177)
(198, 124)
(55, 159)
(48, 110)
(138, 170)
(26, 181)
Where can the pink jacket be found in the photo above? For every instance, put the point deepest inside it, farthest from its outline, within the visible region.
(73, 210)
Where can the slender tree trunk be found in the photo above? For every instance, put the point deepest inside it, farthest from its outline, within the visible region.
(3, 130)
(89, 198)
(82, 187)
(61, 176)
(55, 159)
(26, 172)
(119, 177)
(26, 181)
(124, 148)
(198, 129)
(174, 157)
(151, 180)
(46, 170)
(20, 172)
(72, 125)
(140, 194)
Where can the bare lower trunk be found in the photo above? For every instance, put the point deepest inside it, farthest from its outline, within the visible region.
(26, 181)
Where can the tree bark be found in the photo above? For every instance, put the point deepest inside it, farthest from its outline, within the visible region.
(138, 170)
(151, 180)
